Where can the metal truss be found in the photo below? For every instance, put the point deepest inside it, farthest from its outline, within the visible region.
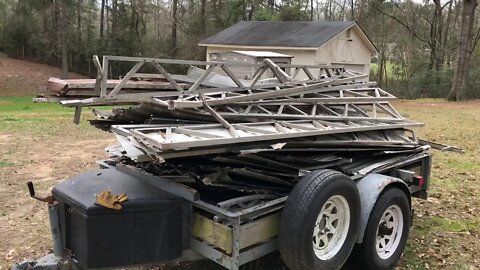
(380, 111)
(256, 94)
(168, 138)
(356, 104)
(344, 104)
(207, 87)
(249, 114)
(205, 78)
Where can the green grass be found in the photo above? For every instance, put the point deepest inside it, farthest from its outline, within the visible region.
(435, 237)
(464, 165)
(6, 163)
(25, 104)
(412, 261)
(448, 223)
(20, 114)
(441, 224)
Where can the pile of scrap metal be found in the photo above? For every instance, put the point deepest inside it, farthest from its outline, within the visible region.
(212, 131)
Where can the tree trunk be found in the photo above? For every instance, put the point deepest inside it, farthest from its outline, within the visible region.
(173, 42)
(157, 25)
(271, 6)
(436, 29)
(79, 23)
(311, 10)
(438, 35)
(253, 9)
(380, 70)
(133, 14)
(352, 10)
(464, 51)
(107, 16)
(114, 18)
(446, 33)
(102, 16)
(214, 4)
(203, 17)
(62, 42)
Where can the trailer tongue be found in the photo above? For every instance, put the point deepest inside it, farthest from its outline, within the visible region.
(231, 170)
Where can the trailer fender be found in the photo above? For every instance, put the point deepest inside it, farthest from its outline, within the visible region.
(370, 187)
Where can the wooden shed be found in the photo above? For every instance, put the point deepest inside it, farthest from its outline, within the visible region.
(331, 43)
(251, 57)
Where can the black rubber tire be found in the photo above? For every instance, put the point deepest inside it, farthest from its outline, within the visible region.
(300, 213)
(365, 254)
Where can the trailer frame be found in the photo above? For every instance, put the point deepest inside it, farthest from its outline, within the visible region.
(238, 257)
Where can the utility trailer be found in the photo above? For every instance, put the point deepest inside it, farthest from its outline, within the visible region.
(237, 230)
(323, 170)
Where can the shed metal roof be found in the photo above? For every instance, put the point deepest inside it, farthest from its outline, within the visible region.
(279, 34)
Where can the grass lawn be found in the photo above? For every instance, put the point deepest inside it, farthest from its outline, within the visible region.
(39, 142)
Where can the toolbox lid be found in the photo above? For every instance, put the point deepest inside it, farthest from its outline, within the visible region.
(80, 192)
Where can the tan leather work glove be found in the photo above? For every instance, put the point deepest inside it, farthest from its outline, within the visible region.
(109, 200)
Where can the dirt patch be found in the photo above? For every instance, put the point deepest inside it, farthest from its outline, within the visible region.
(4, 138)
(23, 221)
(19, 77)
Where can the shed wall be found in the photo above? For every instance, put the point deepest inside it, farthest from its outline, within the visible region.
(300, 57)
(346, 49)
(240, 71)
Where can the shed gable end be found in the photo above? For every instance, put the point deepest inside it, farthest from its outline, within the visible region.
(346, 48)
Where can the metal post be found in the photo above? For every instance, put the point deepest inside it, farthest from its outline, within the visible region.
(103, 88)
(55, 230)
(78, 114)
(98, 79)
(236, 244)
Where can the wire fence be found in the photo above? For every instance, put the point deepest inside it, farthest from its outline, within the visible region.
(414, 91)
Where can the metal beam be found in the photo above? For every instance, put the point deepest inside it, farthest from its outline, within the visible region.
(126, 79)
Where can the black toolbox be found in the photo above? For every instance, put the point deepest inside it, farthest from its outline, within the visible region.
(149, 229)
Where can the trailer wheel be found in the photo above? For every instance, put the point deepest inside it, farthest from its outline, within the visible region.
(386, 233)
(319, 221)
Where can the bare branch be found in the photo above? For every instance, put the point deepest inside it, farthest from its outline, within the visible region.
(475, 40)
(404, 24)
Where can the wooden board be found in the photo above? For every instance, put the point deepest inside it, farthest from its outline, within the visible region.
(63, 86)
(221, 236)
(213, 232)
(260, 230)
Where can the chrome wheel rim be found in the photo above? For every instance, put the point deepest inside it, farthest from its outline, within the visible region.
(389, 232)
(331, 227)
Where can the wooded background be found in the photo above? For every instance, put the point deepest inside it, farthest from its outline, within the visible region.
(426, 49)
